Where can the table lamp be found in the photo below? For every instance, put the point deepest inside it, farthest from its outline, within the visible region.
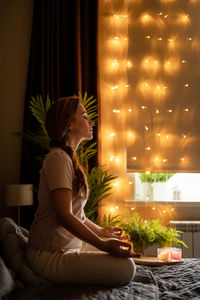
(19, 195)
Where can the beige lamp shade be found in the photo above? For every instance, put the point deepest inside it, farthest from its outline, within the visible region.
(19, 194)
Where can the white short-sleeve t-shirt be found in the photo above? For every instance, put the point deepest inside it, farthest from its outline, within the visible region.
(46, 232)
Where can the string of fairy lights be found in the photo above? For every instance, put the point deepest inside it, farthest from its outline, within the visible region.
(149, 86)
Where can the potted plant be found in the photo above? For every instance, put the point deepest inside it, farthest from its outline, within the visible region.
(154, 184)
(144, 234)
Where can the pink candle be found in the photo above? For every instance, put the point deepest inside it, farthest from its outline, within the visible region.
(176, 253)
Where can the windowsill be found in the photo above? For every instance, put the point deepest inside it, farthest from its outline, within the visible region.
(184, 203)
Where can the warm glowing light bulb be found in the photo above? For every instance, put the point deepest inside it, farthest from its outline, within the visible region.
(167, 137)
(143, 107)
(147, 37)
(112, 158)
(117, 17)
(112, 209)
(164, 211)
(117, 159)
(186, 85)
(146, 127)
(164, 160)
(158, 134)
(115, 63)
(120, 17)
(182, 158)
(183, 19)
(130, 134)
(189, 38)
(148, 172)
(171, 43)
(127, 85)
(134, 158)
(129, 64)
(132, 208)
(184, 61)
(169, 110)
(117, 207)
(112, 134)
(117, 111)
(153, 208)
(186, 109)
(172, 209)
(116, 183)
(150, 64)
(114, 87)
(184, 136)
(148, 148)
(159, 38)
(171, 65)
(130, 110)
(157, 111)
(146, 18)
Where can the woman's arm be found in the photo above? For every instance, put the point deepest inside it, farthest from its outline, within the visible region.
(62, 201)
(94, 227)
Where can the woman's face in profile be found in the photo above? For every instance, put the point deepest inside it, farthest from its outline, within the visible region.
(81, 126)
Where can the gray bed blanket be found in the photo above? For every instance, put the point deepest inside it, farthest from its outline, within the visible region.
(180, 281)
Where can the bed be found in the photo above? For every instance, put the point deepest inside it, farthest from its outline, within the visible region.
(17, 281)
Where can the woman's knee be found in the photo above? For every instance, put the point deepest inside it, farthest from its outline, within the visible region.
(130, 269)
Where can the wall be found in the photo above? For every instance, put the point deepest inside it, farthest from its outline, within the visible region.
(15, 35)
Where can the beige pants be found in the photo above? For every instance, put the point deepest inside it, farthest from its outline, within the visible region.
(81, 267)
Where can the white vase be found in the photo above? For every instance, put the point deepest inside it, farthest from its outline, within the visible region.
(147, 188)
(159, 191)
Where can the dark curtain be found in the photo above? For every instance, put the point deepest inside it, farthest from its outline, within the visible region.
(63, 62)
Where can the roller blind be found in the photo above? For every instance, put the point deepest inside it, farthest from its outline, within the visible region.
(163, 101)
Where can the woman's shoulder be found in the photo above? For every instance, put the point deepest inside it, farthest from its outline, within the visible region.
(56, 154)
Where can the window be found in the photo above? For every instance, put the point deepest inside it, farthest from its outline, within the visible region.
(149, 98)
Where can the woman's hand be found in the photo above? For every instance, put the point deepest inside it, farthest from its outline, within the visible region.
(117, 248)
(113, 232)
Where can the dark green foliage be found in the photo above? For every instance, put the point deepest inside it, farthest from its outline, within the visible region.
(144, 234)
(111, 220)
(99, 182)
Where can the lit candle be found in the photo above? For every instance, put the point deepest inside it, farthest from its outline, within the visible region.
(163, 254)
(176, 253)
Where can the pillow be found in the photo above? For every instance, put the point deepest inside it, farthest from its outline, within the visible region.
(6, 280)
(13, 240)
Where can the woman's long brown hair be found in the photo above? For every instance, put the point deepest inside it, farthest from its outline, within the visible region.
(58, 120)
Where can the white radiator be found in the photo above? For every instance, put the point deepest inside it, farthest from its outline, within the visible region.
(190, 236)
